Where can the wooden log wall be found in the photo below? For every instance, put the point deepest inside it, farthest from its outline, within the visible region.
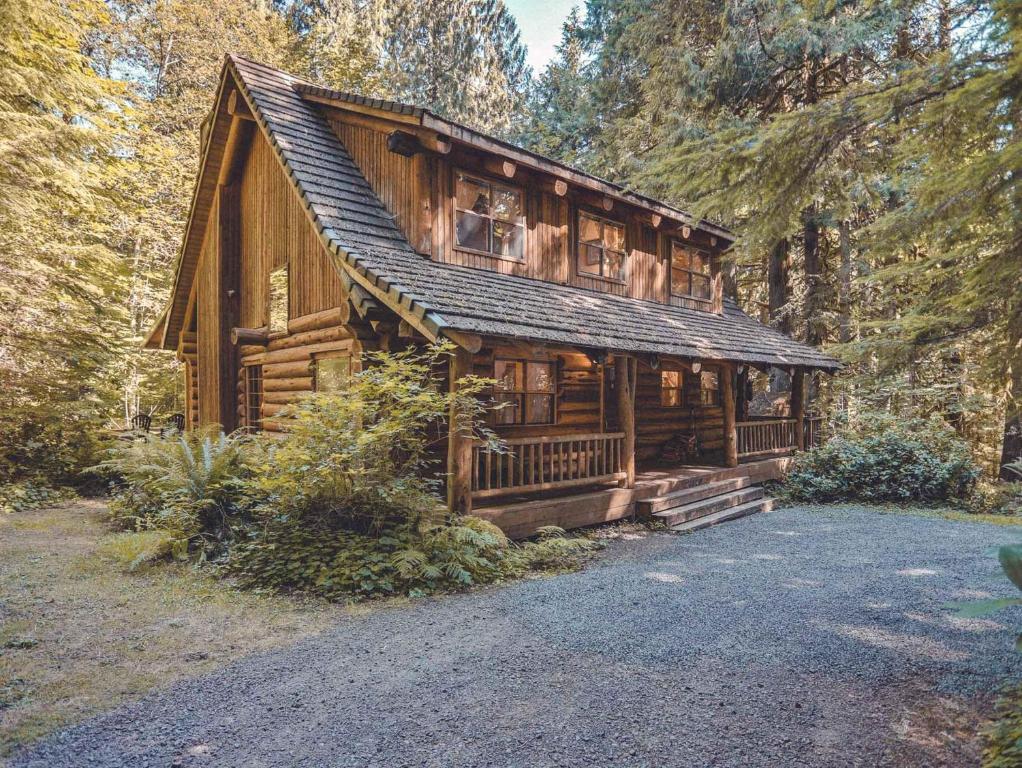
(419, 191)
(208, 317)
(578, 390)
(655, 424)
(288, 362)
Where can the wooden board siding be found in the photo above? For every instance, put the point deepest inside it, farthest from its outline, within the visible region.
(275, 231)
(207, 307)
(419, 192)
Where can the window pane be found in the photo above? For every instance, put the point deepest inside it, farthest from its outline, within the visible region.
(680, 257)
(473, 231)
(473, 195)
(708, 384)
(589, 259)
(670, 379)
(540, 377)
(614, 236)
(278, 300)
(615, 266)
(588, 229)
(508, 374)
(679, 281)
(332, 374)
(508, 410)
(670, 398)
(539, 409)
(507, 204)
(700, 263)
(701, 286)
(508, 239)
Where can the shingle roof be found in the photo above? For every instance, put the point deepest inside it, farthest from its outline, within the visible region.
(359, 230)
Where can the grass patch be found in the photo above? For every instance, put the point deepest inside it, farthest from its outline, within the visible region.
(78, 637)
(936, 511)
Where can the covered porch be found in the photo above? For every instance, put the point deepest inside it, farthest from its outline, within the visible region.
(615, 422)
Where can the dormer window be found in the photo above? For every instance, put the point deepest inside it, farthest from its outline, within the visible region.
(601, 247)
(489, 218)
(690, 272)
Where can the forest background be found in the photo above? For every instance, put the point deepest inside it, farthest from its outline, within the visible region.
(867, 152)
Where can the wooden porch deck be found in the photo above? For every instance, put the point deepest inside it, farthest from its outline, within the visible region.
(520, 518)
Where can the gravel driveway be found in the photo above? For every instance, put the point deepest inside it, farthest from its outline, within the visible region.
(794, 638)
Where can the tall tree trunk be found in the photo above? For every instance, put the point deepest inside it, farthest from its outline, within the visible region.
(844, 301)
(779, 291)
(815, 300)
(1011, 448)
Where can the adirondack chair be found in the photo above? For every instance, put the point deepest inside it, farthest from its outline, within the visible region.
(141, 422)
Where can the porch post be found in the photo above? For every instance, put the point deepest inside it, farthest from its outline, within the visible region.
(798, 407)
(625, 373)
(727, 398)
(459, 442)
(742, 405)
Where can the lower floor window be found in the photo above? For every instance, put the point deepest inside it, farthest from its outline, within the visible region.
(709, 388)
(525, 391)
(253, 396)
(670, 389)
(332, 373)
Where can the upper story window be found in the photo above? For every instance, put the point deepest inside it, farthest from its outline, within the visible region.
(527, 389)
(489, 218)
(690, 272)
(601, 247)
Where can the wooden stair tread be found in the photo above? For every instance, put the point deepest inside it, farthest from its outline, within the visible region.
(707, 506)
(730, 513)
(682, 496)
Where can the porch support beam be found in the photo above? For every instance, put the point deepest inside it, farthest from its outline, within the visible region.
(626, 371)
(798, 407)
(459, 440)
(727, 399)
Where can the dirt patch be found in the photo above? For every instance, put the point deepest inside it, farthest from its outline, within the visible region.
(77, 637)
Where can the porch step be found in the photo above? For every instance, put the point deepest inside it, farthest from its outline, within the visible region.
(683, 513)
(730, 513)
(678, 498)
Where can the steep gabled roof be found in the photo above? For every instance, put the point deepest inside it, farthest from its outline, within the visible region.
(369, 249)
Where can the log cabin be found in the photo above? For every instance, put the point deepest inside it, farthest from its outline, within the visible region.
(325, 224)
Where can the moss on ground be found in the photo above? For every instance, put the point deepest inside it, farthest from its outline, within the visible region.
(78, 637)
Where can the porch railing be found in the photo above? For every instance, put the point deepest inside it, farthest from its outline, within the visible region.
(763, 437)
(547, 462)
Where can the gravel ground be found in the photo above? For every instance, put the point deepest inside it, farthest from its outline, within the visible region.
(796, 638)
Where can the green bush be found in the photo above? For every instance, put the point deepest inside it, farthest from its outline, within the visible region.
(192, 485)
(341, 564)
(885, 460)
(27, 495)
(1003, 747)
(996, 498)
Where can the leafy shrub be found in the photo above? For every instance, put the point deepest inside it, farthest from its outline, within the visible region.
(454, 555)
(191, 485)
(1003, 747)
(27, 495)
(366, 460)
(132, 550)
(885, 460)
(996, 498)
